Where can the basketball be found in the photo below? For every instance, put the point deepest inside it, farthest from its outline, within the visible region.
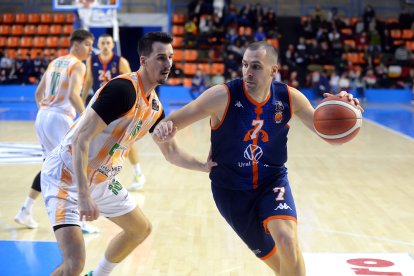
(337, 120)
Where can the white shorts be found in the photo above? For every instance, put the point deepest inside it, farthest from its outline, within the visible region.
(61, 197)
(51, 127)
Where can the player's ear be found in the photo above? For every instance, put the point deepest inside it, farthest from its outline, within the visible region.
(274, 69)
(142, 60)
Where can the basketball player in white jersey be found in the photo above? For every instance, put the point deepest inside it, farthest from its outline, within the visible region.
(100, 69)
(58, 99)
(79, 176)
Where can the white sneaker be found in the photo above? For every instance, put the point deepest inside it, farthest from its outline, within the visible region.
(138, 183)
(25, 218)
(89, 229)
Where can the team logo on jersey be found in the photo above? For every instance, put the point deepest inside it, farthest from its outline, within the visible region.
(155, 105)
(136, 128)
(278, 117)
(238, 104)
(279, 106)
(253, 152)
(283, 206)
(113, 69)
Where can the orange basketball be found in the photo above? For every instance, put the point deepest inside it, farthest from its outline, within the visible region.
(337, 120)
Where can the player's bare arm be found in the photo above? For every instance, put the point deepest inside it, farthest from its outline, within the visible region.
(88, 80)
(124, 66)
(90, 126)
(302, 107)
(75, 86)
(40, 90)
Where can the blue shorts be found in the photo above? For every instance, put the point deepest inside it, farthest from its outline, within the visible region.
(249, 211)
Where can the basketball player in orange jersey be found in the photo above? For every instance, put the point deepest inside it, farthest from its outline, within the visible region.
(58, 98)
(249, 127)
(99, 70)
(79, 176)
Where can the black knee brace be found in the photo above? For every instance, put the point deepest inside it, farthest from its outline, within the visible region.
(36, 183)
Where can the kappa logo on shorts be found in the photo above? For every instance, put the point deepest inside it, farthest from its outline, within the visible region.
(283, 206)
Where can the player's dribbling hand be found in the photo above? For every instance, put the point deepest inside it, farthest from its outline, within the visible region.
(209, 164)
(164, 131)
(349, 96)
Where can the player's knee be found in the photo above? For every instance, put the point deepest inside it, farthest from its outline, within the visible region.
(144, 230)
(288, 245)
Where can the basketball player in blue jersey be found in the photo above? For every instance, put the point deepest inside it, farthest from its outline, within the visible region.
(249, 127)
(102, 68)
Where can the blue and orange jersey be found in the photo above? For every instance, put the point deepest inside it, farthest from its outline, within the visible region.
(102, 72)
(250, 143)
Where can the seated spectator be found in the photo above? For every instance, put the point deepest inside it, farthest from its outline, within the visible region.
(218, 78)
(259, 34)
(198, 84)
(190, 33)
(370, 80)
(403, 55)
(344, 82)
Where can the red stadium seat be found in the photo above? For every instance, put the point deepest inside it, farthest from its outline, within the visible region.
(59, 18)
(43, 29)
(26, 42)
(21, 18)
(30, 30)
(34, 52)
(205, 68)
(67, 29)
(217, 68)
(13, 42)
(178, 55)
(46, 18)
(177, 30)
(52, 41)
(11, 53)
(33, 18)
(23, 52)
(190, 68)
(3, 41)
(62, 52)
(410, 45)
(8, 18)
(17, 30)
(188, 82)
(5, 29)
(178, 18)
(65, 42)
(395, 33)
(175, 81)
(39, 42)
(407, 34)
(56, 29)
(274, 42)
(177, 42)
(70, 18)
(190, 55)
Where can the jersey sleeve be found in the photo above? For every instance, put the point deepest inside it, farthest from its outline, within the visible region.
(156, 123)
(116, 98)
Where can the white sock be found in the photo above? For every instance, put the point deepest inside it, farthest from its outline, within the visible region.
(28, 204)
(104, 268)
(137, 169)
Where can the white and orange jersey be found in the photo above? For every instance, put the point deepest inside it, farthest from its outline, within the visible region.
(56, 94)
(109, 149)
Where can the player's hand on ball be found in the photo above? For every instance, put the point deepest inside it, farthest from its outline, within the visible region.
(349, 96)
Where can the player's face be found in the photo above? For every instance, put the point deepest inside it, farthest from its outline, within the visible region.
(85, 48)
(106, 44)
(159, 62)
(256, 70)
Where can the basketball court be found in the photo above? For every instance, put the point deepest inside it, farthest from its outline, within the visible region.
(354, 204)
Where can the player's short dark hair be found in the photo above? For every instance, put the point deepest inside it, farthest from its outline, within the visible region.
(80, 35)
(271, 52)
(146, 42)
(105, 35)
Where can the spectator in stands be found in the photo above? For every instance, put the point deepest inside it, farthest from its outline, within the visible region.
(368, 16)
(6, 66)
(293, 80)
(37, 66)
(218, 78)
(190, 32)
(231, 36)
(405, 19)
(205, 28)
(370, 80)
(318, 15)
(19, 69)
(230, 65)
(198, 84)
(27, 68)
(344, 82)
(290, 56)
(259, 34)
(217, 30)
(334, 82)
(236, 49)
(270, 24)
(332, 15)
(403, 56)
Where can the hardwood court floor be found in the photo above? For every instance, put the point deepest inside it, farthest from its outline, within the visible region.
(351, 198)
